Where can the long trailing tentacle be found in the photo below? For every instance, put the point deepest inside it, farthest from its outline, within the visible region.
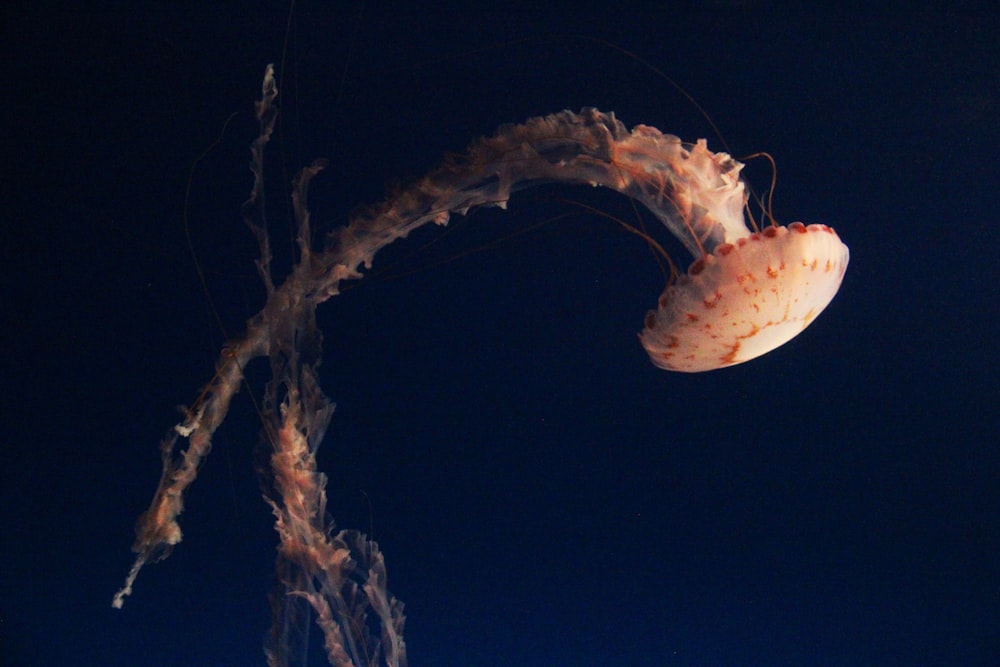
(342, 576)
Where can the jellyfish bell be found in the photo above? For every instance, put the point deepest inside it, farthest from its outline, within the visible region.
(748, 292)
(745, 298)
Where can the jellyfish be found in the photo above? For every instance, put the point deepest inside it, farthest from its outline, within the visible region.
(746, 293)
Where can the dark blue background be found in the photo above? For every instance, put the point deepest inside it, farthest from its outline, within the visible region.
(544, 495)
